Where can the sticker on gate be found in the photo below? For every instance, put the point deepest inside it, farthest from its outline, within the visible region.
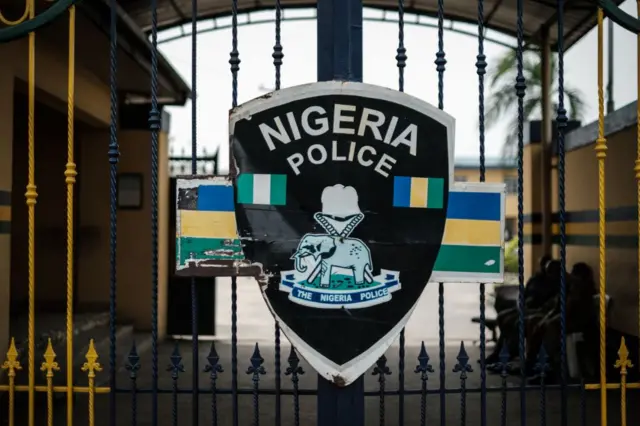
(333, 270)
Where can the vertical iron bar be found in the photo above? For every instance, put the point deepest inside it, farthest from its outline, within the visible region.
(194, 165)
(133, 365)
(277, 63)
(610, 52)
(234, 62)
(442, 356)
(234, 349)
(294, 370)
(113, 155)
(154, 126)
(339, 24)
(401, 61)
(381, 370)
(504, 365)
(440, 68)
(213, 368)
(423, 368)
(541, 368)
(175, 367)
(481, 66)
(520, 88)
(256, 369)
(583, 403)
(463, 368)
(561, 123)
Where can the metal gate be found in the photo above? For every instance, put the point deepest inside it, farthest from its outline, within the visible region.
(431, 399)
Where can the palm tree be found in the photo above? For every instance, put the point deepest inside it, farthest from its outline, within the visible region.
(503, 100)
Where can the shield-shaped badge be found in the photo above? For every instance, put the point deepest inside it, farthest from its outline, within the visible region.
(341, 197)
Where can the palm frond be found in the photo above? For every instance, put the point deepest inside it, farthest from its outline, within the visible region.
(500, 100)
(503, 68)
(576, 103)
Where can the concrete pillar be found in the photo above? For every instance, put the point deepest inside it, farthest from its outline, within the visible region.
(6, 180)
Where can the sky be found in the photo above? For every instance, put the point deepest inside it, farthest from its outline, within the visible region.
(255, 44)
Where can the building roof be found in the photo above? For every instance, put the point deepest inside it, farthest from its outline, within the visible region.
(500, 15)
(133, 42)
(489, 163)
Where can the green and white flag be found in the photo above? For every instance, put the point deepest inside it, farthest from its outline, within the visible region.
(262, 189)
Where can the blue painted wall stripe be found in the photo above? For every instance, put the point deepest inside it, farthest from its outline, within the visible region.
(401, 191)
(216, 198)
(474, 205)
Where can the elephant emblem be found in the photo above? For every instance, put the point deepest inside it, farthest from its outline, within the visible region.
(327, 252)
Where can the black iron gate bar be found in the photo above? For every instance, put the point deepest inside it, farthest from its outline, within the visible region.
(256, 368)
(256, 362)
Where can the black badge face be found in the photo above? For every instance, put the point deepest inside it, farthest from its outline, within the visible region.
(341, 197)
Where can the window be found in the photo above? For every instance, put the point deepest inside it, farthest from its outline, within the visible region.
(512, 184)
(457, 178)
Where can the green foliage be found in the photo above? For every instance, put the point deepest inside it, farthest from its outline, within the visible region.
(503, 101)
(511, 256)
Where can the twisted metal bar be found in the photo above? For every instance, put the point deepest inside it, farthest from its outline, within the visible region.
(401, 57)
(381, 370)
(91, 367)
(277, 63)
(481, 66)
(440, 68)
(636, 169)
(49, 366)
(154, 127)
(234, 62)
(623, 363)
(463, 368)
(133, 365)
(70, 180)
(113, 155)
(520, 88)
(401, 61)
(31, 195)
(194, 149)
(424, 368)
(601, 154)
(561, 123)
(12, 365)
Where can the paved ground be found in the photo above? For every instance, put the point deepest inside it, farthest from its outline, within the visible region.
(255, 324)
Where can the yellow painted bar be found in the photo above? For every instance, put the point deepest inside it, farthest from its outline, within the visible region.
(5, 213)
(12, 365)
(70, 179)
(612, 386)
(637, 165)
(31, 195)
(472, 232)
(208, 224)
(418, 194)
(623, 363)
(49, 365)
(91, 367)
(79, 389)
(601, 153)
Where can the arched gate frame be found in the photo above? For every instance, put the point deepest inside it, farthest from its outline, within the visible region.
(340, 58)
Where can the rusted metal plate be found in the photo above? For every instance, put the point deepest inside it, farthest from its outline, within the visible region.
(207, 242)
